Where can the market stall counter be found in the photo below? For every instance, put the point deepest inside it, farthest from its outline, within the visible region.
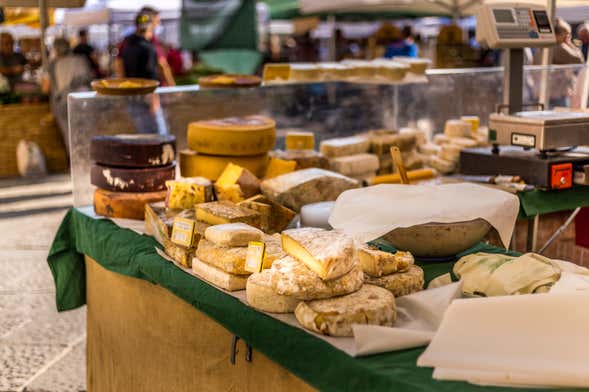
(153, 326)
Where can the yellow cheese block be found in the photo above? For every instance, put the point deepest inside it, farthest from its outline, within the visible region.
(211, 166)
(218, 277)
(376, 262)
(185, 193)
(236, 184)
(474, 122)
(278, 166)
(457, 128)
(127, 205)
(296, 140)
(274, 71)
(234, 136)
(220, 212)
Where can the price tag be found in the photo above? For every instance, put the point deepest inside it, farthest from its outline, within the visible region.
(183, 232)
(256, 253)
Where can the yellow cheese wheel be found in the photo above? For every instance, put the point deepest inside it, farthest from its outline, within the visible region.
(211, 166)
(128, 205)
(234, 136)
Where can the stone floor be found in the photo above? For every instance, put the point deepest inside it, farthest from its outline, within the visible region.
(40, 349)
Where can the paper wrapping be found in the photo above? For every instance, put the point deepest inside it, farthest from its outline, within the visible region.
(369, 213)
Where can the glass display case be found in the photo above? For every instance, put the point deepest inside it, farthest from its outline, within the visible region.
(328, 109)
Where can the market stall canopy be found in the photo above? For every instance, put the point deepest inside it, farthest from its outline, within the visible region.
(21, 16)
(50, 3)
(84, 17)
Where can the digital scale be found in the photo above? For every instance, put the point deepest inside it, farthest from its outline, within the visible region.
(539, 146)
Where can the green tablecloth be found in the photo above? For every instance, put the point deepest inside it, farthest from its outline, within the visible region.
(313, 360)
(539, 202)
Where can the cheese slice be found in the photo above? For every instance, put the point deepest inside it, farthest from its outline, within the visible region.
(304, 158)
(278, 166)
(301, 187)
(218, 277)
(293, 278)
(399, 283)
(236, 183)
(211, 166)
(370, 305)
(298, 140)
(378, 263)
(274, 217)
(340, 147)
(261, 295)
(457, 128)
(220, 212)
(328, 253)
(185, 193)
(233, 234)
(355, 165)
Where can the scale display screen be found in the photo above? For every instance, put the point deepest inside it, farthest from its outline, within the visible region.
(503, 15)
(542, 21)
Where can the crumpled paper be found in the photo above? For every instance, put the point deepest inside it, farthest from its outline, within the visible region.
(369, 213)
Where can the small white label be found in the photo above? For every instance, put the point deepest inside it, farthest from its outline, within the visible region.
(179, 237)
(518, 139)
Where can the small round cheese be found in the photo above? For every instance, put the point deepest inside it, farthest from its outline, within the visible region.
(400, 283)
(261, 295)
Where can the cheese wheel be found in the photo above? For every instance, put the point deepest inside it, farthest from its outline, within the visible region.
(234, 136)
(121, 179)
(261, 295)
(133, 150)
(124, 204)
(211, 166)
(370, 305)
(400, 283)
(457, 128)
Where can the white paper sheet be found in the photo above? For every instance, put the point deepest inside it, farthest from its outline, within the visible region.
(369, 213)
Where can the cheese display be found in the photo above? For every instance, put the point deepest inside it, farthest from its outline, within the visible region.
(464, 142)
(377, 263)
(278, 167)
(276, 72)
(261, 295)
(340, 147)
(301, 187)
(122, 179)
(133, 150)
(429, 149)
(219, 212)
(128, 205)
(292, 278)
(229, 81)
(335, 316)
(305, 159)
(185, 193)
(233, 136)
(440, 139)
(441, 165)
(399, 283)
(416, 65)
(274, 217)
(218, 277)
(193, 164)
(412, 175)
(159, 220)
(181, 254)
(233, 234)
(450, 152)
(355, 165)
(457, 128)
(299, 140)
(333, 71)
(236, 184)
(328, 253)
(304, 72)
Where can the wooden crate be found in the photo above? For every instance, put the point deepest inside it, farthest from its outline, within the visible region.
(35, 123)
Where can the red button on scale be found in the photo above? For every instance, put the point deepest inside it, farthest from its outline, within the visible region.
(561, 176)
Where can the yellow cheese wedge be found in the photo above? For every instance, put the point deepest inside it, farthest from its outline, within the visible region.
(220, 212)
(298, 140)
(236, 183)
(211, 166)
(185, 193)
(274, 217)
(234, 136)
(278, 166)
(378, 263)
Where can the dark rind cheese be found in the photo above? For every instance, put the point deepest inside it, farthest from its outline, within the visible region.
(133, 150)
(124, 204)
(120, 179)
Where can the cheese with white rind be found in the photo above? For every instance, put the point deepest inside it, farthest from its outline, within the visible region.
(328, 253)
(344, 146)
(293, 278)
(301, 187)
(441, 165)
(220, 212)
(262, 296)
(233, 234)
(457, 128)
(400, 283)
(450, 152)
(354, 165)
(429, 149)
(377, 263)
(159, 221)
(218, 277)
(440, 139)
(464, 142)
(370, 305)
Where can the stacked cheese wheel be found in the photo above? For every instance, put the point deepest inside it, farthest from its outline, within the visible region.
(130, 171)
(243, 141)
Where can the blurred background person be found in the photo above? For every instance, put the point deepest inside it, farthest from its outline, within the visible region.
(138, 54)
(12, 64)
(583, 36)
(409, 39)
(83, 48)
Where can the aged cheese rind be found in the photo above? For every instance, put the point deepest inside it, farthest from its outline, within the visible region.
(400, 283)
(305, 159)
(121, 179)
(340, 147)
(441, 165)
(274, 217)
(181, 254)
(185, 193)
(355, 165)
(220, 212)
(298, 188)
(377, 263)
(125, 205)
(328, 253)
(233, 234)
(370, 305)
(261, 295)
(211, 166)
(293, 278)
(133, 150)
(450, 152)
(218, 277)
